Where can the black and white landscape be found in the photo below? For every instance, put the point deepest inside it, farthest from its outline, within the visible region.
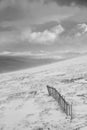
(43, 42)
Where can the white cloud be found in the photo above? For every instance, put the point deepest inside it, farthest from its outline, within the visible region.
(5, 53)
(84, 27)
(42, 37)
(26, 53)
(45, 37)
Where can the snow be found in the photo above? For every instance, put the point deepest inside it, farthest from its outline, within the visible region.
(26, 105)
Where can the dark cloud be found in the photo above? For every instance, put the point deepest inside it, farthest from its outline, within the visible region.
(9, 13)
(69, 2)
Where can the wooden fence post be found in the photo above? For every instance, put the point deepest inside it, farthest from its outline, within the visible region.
(71, 113)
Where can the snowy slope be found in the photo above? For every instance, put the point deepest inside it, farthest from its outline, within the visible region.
(24, 100)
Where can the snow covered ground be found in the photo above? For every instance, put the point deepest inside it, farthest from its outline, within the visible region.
(26, 105)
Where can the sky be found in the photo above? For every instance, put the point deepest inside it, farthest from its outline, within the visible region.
(37, 25)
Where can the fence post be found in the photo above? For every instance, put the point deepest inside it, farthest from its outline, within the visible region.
(66, 108)
(48, 90)
(71, 112)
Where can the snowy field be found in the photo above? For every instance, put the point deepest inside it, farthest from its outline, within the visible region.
(26, 105)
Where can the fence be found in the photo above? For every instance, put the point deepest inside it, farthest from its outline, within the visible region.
(65, 106)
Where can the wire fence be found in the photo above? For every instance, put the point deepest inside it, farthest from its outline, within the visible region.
(65, 106)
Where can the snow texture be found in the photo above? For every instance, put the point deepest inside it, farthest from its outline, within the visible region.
(26, 105)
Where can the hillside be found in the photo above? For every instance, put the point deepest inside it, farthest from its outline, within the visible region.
(26, 105)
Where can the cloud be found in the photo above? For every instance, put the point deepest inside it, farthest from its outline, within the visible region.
(69, 2)
(42, 37)
(16, 16)
(5, 53)
(27, 12)
(38, 37)
(30, 36)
